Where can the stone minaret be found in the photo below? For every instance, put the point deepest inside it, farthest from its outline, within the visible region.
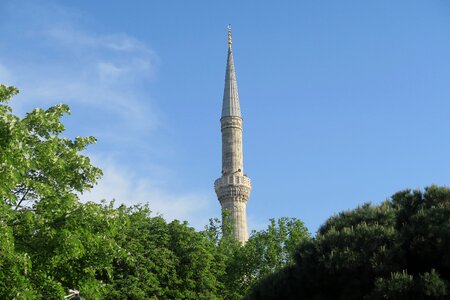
(233, 188)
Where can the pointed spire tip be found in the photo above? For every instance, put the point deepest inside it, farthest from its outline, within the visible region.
(230, 106)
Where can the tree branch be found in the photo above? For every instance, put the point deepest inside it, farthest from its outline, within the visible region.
(23, 198)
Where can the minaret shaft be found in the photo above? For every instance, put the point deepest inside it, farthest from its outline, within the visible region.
(232, 158)
(233, 188)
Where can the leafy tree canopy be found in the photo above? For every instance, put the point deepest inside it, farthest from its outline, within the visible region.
(50, 241)
(36, 163)
(395, 250)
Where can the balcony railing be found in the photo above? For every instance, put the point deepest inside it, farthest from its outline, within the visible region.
(233, 180)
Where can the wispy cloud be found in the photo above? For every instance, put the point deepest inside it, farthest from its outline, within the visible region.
(79, 65)
(118, 57)
(106, 77)
(72, 37)
(125, 186)
(5, 74)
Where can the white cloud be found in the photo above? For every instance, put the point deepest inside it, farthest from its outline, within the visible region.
(108, 70)
(75, 64)
(100, 76)
(125, 186)
(5, 75)
(131, 108)
(75, 38)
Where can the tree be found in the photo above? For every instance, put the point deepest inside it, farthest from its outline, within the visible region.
(395, 250)
(164, 260)
(46, 245)
(14, 266)
(35, 162)
(265, 252)
(50, 241)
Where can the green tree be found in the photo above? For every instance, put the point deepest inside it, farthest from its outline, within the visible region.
(265, 252)
(164, 260)
(50, 241)
(395, 250)
(148, 268)
(36, 162)
(14, 266)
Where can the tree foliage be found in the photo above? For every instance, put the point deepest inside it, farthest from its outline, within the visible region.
(266, 252)
(50, 241)
(395, 250)
(164, 260)
(36, 162)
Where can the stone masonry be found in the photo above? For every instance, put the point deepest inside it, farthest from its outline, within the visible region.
(233, 188)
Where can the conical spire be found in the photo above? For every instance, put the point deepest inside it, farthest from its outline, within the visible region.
(230, 106)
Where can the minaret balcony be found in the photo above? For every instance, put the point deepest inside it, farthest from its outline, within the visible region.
(233, 180)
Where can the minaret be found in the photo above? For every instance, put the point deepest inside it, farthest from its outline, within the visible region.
(233, 188)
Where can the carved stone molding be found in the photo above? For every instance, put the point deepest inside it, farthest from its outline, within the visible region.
(233, 122)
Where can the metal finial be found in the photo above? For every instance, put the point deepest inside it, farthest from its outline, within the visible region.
(229, 36)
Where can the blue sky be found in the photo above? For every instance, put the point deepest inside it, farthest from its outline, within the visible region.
(344, 102)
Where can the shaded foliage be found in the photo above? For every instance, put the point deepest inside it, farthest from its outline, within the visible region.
(395, 250)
